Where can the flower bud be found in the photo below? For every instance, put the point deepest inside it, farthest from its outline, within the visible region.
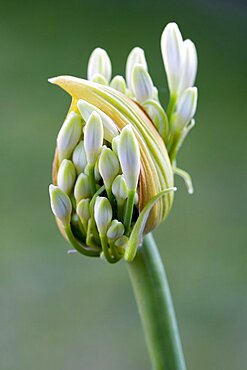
(86, 109)
(99, 79)
(66, 176)
(60, 204)
(142, 83)
(136, 56)
(69, 135)
(118, 83)
(122, 242)
(129, 157)
(83, 210)
(108, 166)
(102, 214)
(158, 116)
(115, 230)
(186, 108)
(115, 144)
(93, 137)
(96, 171)
(82, 187)
(99, 63)
(189, 68)
(119, 188)
(79, 158)
(172, 53)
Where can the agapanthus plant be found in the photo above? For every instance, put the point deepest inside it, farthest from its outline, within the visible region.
(113, 173)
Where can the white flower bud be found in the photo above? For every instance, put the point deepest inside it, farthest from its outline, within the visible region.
(142, 83)
(60, 204)
(108, 166)
(122, 242)
(115, 231)
(86, 109)
(136, 56)
(158, 116)
(119, 188)
(69, 135)
(79, 158)
(99, 63)
(83, 210)
(129, 157)
(102, 214)
(172, 53)
(118, 83)
(93, 137)
(99, 79)
(82, 187)
(189, 68)
(66, 176)
(96, 171)
(186, 108)
(115, 143)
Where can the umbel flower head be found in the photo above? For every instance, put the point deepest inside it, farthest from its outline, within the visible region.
(116, 151)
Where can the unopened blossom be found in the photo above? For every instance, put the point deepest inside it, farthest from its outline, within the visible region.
(114, 166)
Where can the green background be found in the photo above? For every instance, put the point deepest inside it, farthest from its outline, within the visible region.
(63, 312)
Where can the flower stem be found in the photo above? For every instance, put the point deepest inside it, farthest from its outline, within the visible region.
(155, 306)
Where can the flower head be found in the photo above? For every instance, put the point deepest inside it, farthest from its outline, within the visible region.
(116, 151)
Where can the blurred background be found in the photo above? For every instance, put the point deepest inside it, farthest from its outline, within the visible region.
(65, 312)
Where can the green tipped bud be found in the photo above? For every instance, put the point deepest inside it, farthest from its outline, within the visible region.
(108, 166)
(129, 157)
(119, 188)
(82, 188)
(99, 79)
(142, 84)
(99, 63)
(136, 56)
(115, 143)
(122, 242)
(115, 231)
(158, 116)
(83, 210)
(186, 108)
(86, 109)
(66, 176)
(93, 137)
(102, 214)
(79, 158)
(96, 172)
(118, 83)
(69, 136)
(60, 204)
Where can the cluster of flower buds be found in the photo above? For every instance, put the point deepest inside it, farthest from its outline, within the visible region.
(115, 157)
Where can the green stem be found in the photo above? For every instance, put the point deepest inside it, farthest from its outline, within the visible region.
(174, 147)
(171, 106)
(78, 246)
(155, 306)
(129, 211)
(91, 178)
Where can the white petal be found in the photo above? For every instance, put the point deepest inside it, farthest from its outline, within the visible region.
(172, 53)
(136, 56)
(99, 63)
(189, 69)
